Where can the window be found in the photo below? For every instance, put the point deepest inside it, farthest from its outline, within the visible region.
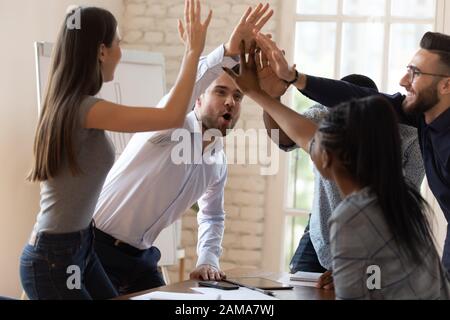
(334, 38)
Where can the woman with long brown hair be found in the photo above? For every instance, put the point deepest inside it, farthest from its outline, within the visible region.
(73, 154)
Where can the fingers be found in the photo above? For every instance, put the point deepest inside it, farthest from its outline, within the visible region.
(198, 11)
(265, 42)
(213, 275)
(207, 273)
(242, 54)
(278, 57)
(208, 19)
(251, 56)
(325, 281)
(262, 43)
(204, 274)
(181, 30)
(329, 286)
(264, 20)
(264, 60)
(258, 57)
(253, 18)
(192, 11)
(260, 13)
(187, 18)
(246, 15)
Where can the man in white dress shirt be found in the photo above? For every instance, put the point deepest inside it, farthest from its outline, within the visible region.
(147, 190)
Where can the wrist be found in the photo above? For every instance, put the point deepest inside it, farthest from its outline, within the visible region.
(255, 94)
(301, 82)
(292, 78)
(227, 52)
(192, 53)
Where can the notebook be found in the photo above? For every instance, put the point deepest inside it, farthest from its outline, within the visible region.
(305, 276)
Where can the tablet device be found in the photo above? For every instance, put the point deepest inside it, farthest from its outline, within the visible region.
(261, 283)
(218, 285)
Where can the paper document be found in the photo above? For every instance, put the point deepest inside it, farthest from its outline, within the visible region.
(207, 294)
(241, 294)
(305, 276)
(161, 295)
(286, 280)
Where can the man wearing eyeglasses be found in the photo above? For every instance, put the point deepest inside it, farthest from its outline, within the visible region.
(426, 106)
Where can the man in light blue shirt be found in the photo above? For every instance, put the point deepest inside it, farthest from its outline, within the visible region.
(152, 185)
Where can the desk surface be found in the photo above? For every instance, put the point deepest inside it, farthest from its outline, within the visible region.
(298, 293)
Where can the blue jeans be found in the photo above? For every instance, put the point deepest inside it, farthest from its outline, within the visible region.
(305, 257)
(64, 267)
(130, 269)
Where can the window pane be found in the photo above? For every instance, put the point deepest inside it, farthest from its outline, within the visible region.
(317, 7)
(364, 7)
(362, 50)
(315, 47)
(405, 41)
(300, 188)
(294, 230)
(414, 8)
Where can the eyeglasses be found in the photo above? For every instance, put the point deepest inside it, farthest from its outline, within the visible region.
(413, 72)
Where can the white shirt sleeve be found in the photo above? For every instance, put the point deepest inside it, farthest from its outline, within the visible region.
(209, 69)
(211, 223)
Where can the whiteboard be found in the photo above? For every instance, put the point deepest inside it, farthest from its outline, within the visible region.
(139, 81)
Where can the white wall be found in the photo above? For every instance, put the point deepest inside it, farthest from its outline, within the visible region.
(21, 23)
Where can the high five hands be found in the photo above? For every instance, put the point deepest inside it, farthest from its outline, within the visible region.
(268, 79)
(252, 21)
(247, 80)
(193, 32)
(275, 57)
(266, 68)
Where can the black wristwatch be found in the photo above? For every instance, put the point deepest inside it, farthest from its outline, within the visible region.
(297, 76)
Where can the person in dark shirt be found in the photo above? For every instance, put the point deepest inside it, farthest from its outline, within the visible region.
(383, 220)
(426, 106)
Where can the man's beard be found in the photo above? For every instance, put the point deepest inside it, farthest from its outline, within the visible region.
(425, 101)
(209, 124)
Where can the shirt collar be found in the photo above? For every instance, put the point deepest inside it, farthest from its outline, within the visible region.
(442, 122)
(195, 126)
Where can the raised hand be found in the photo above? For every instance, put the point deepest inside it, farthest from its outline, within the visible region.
(247, 81)
(276, 58)
(252, 20)
(268, 80)
(193, 33)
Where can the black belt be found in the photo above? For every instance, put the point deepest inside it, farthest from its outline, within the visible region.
(122, 246)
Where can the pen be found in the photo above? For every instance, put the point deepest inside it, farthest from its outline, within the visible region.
(269, 293)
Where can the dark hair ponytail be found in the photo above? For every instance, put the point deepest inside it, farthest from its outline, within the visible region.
(364, 135)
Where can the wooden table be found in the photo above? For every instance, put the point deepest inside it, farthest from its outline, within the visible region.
(298, 293)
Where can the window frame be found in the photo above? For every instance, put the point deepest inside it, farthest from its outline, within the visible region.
(278, 186)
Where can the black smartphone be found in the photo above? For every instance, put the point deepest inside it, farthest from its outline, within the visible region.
(218, 285)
